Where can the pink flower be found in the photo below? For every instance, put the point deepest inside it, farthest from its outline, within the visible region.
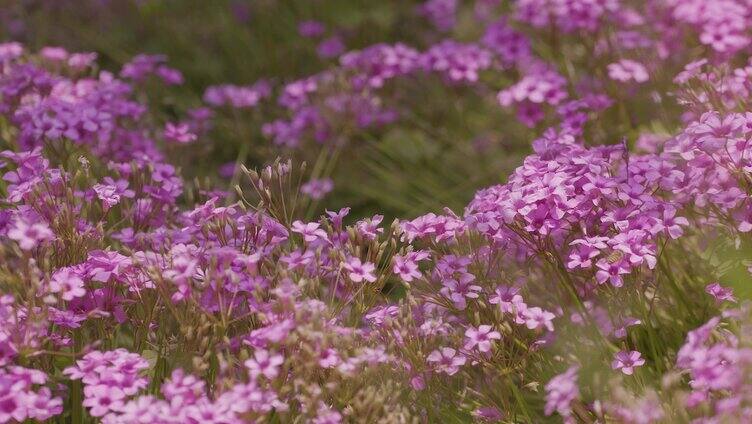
(447, 360)
(68, 283)
(481, 337)
(460, 289)
(611, 272)
(713, 131)
(107, 194)
(311, 29)
(237, 96)
(488, 414)
(11, 407)
(180, 133)
(263, 363)
(317, 189)
(627, 361)
(329, 358)
(536, 318)
(561, 391)
(310, 231)
(508, 299)
(626, 70)
(441, 13)
(720, 293)
(10, 50)
(298, 258)
(101, 399)
(29, 235)
(418, 383)
(54, 54)
(359, 271)
(326, 415)
(406, 267)
(81, 60)
(330, 47)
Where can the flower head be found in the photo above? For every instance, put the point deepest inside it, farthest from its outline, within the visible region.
(446, 360)
(481, 338)
(360, 271)
(627, 361)
(30, 234)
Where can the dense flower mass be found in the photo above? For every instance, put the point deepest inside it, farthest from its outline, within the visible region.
(601, 280)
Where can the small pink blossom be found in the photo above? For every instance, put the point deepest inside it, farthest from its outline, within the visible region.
(316, 189)
(447, 360)
(102, 398)
(406, 267)
(536, 318)
(481, 338)
(360, 271)
(67, 283)
(264, 363)
(310, 231)
(720, 293)
(107, 194)
(30, 235)
(179, 133)
(627, 361)
(627, 70)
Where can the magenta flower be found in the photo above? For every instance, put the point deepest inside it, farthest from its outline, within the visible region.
(179, 133)
(406, 267)
(441, 13)
(183, 387)
(582, 257)
(481, 337)
(311, 231)
(10, 50)
(713, 131)
(673, 224)
(508, 299)
(457, 62)
(611, 272)
(311, 29)
(298, 258)
(627, 361)
(81, 60)
(69, 284)
(536, 318)
(21, 400)
(488, 414)
(108, 194)
(330, 47)
(55, 54)
(317, 189)
(720, 293)
(446, 360)
(511, 46)
(545, 87)
(30, 235)
(237, 96)
(264, 363)
(101, 399)
(627, 70)
(380, 314)
(360, 271)
(561, 391)
(329, 358)
(326, 415)
(460, 289)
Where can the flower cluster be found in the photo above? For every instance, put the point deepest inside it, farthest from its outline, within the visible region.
(576, 288)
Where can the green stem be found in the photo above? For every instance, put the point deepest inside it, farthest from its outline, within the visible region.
(76, 390)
